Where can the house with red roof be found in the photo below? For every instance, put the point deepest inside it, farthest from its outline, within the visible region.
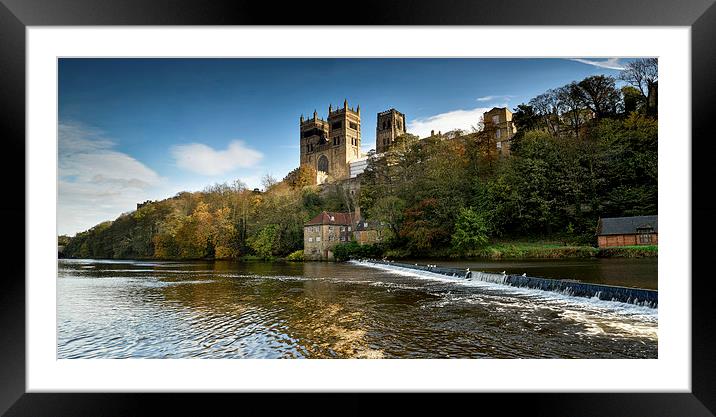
(323, 232)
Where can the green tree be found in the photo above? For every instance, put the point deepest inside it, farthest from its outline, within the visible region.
(471, 231)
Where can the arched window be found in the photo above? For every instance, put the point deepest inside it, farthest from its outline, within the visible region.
(323, 164)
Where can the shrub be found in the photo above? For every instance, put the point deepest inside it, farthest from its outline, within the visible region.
(296, 256)
(353, 250)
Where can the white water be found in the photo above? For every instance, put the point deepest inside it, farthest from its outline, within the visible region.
(496, 283)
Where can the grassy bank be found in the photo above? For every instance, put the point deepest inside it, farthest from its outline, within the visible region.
(629, 252)
(534, 250)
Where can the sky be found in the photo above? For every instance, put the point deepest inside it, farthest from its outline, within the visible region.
(132, 129)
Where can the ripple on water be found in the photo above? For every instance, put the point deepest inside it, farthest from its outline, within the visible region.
(333, 311)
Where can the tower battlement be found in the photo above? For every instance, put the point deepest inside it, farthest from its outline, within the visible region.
(391, 124)
(330, 145)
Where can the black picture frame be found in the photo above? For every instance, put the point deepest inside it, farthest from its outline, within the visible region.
(16, 15)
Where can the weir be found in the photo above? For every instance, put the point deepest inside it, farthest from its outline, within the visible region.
(638, 296)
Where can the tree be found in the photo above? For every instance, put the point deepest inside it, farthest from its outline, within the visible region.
(545, 105)
(302, 176)
(265, 241)
(643, 74)
(388, 210)
(471, 231)
(634, 100)
(600, 95)
(570, 106)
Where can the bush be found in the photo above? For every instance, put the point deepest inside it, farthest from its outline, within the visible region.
(353, 250)
(295, 256)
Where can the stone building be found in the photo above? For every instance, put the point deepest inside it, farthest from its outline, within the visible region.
(330, 145)
(391, 124)
(368, 232)
(323, 232)
(498, 122)
(628, 231)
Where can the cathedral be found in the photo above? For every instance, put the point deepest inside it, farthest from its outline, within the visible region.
(331, 145)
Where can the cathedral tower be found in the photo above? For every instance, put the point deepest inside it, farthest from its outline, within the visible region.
(391, 124)
(330, 145)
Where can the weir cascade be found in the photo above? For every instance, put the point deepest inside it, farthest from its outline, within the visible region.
(638, 296)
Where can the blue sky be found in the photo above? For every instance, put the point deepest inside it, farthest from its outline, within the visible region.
(137, 129)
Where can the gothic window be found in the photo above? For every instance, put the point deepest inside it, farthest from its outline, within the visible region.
(354, 126)
(336, 125)
(323, 163)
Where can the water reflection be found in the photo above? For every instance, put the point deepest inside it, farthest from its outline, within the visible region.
(322, 310)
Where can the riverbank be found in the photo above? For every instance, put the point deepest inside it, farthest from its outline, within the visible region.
(537, 250)
(494, 251)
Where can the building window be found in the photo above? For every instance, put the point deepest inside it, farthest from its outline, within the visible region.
(495, 119)
(645, 234)
(354, 126)
(318, 239)
(310, 239)
(336, 125)
(498, 133)
(349, 228)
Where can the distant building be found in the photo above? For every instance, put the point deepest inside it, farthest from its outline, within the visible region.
(323, 232)
(368, 232)
(498, 122)
(627, 231)
(358, 166)
(391, 125)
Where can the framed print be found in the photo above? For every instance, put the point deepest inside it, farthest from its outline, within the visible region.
(432, 198)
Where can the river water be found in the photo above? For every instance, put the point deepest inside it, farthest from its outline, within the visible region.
(146, 309)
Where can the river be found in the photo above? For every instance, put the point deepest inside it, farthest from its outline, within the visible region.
(147, 309)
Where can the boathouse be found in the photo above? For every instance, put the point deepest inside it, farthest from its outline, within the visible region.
(627, 231)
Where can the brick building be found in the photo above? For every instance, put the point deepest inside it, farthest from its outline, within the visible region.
(627, 231)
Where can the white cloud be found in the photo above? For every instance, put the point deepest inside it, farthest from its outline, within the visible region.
(610, 63)
(504, 98)
(97, 183)
(444, 122)
(204, 160)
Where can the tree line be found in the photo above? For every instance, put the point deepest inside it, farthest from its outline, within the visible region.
(582, 151)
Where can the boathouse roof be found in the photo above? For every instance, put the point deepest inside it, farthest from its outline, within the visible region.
(626, 225)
